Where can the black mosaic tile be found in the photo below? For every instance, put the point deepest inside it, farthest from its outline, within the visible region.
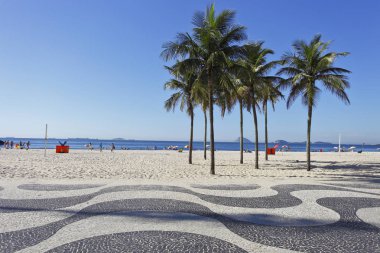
(227, 187)
(57, 187)
(282, 199)
(149, 241)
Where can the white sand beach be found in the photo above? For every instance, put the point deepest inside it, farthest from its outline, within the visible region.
(168, 165)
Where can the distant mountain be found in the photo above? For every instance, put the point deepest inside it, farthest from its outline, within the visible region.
(245, 140)
(118, 139)
(322, 143)
(281, 142)
(76, 138)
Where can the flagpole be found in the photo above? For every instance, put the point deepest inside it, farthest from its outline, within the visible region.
(46, 129)
(339, 143)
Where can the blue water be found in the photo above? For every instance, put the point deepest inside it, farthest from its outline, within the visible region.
(144, 145)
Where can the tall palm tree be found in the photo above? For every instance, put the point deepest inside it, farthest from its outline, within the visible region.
(254, 73)
(183, 83)
(269, 93)
(205, 135)
(201, 97)
(309, 65)
(214, 41)
(239, 96)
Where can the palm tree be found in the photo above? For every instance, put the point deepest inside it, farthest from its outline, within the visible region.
(213, 42)
(204, 109)
(201, 97)
(253, 73)
(183, 83)
(308, 66)
(240, 98)
(239, 95)
(269, 93)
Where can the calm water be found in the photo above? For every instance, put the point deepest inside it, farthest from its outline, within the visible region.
(143, 145)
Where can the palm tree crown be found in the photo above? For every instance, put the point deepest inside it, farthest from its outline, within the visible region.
(213, 43)
(183, 83)
(309, 65)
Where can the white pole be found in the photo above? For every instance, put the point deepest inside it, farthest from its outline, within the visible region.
(339, 143)
(46, 138)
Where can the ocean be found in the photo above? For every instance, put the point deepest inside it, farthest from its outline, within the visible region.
(160, 145)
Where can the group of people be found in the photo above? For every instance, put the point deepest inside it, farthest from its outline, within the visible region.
(91, 147)
(17, 145)
(172, 147)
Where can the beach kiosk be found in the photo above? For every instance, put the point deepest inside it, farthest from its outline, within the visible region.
(272, 151)
(62, 148)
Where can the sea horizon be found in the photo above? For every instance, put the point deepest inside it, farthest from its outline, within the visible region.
(134, 144)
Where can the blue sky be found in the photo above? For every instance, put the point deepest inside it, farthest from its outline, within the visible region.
(91, 68)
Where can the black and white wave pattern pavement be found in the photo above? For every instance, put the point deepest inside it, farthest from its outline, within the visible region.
(323, 217)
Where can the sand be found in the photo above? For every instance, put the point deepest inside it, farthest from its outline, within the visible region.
(168, 165)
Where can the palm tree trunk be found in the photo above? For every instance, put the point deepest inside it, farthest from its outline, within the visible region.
(266, 128)
(191, 137)
(211, 111)
(256, 135)
(241, 131)
(205, 137)
(309, 115)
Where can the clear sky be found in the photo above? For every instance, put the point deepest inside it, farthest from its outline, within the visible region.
(91, 68)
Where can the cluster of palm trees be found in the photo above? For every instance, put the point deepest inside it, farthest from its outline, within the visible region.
(215, 66)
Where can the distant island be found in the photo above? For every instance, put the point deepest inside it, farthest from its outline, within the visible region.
(118, 139)
(322, 143)
(245, 140)
(75, 139)
(282, 142)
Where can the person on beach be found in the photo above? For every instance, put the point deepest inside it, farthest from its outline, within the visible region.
(89, 146)
(27, 145)
(113, 147)
(12, 144)
(101, 147)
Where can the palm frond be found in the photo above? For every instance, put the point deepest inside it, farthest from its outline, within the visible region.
(171, 103)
